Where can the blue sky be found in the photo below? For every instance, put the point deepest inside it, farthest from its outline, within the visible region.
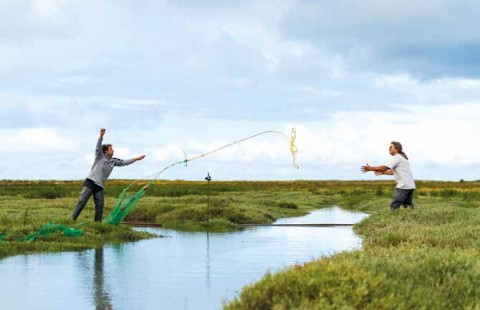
(164, 77)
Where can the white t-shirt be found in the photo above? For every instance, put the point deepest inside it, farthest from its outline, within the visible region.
(401, 172)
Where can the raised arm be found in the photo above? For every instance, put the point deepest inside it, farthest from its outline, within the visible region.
(98, 148)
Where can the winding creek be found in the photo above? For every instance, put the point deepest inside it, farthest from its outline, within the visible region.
(181, 271)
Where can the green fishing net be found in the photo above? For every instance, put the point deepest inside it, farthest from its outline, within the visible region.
(124, 205)
(52, 228)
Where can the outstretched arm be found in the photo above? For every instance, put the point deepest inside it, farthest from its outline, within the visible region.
(367, 168)
(126, 162)
(386, 172)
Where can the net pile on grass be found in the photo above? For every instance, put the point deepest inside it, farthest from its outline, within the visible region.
(51, 229)
(126, 203)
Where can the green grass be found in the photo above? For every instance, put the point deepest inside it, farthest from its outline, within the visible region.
(426, 258)
(405, 278)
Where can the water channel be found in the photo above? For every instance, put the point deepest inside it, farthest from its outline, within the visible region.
(180, 271)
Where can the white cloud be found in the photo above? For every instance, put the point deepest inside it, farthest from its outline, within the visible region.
(74, 80)
(33, 140)
(441, 134)
(396, 81)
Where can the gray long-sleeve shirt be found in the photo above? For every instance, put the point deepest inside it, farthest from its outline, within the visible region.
(103, 166)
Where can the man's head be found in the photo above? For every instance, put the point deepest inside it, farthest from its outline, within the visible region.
(395, 148)
(107, 150)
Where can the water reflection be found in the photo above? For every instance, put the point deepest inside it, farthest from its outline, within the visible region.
(101, 297)
(91, 268)
(207, 269)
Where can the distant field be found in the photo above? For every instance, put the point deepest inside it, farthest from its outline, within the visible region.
(71, 189)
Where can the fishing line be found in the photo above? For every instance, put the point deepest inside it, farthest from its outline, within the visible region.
(291, 141)
(122, 208)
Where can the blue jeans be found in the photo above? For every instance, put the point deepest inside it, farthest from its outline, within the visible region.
(98, 198)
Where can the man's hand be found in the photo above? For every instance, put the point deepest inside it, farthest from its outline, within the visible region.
(102, 132)
(365, 168)
(139, 157)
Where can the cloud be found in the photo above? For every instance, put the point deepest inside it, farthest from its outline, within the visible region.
(332, 148)
(384, 36)
(164, 77)
(76, 112)
(438, 135)
(38, 139)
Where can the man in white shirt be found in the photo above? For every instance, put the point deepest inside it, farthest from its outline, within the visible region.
(399, 167)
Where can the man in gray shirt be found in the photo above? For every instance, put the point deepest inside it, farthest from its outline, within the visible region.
(101, 169)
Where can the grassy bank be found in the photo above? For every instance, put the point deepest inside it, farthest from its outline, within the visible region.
(21, 216)
(25, 206)
(423, 258)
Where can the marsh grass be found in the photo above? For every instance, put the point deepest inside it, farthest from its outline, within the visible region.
(425, 258)
(405, 278)
(224, 211)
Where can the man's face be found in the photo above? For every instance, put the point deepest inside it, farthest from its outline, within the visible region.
(109, 151)
(392, 150)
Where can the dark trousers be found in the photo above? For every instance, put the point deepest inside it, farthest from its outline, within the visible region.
(98, 198)
(402, 197)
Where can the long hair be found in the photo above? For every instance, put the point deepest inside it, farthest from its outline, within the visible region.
(398, 147)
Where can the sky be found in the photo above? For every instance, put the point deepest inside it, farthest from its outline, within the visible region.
(168, 78)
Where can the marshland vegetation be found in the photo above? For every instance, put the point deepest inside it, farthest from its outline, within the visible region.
(422, 258)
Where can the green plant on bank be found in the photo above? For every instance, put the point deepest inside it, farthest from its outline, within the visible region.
(425, 258)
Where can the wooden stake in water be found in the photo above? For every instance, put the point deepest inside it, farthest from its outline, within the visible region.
(208, 178)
